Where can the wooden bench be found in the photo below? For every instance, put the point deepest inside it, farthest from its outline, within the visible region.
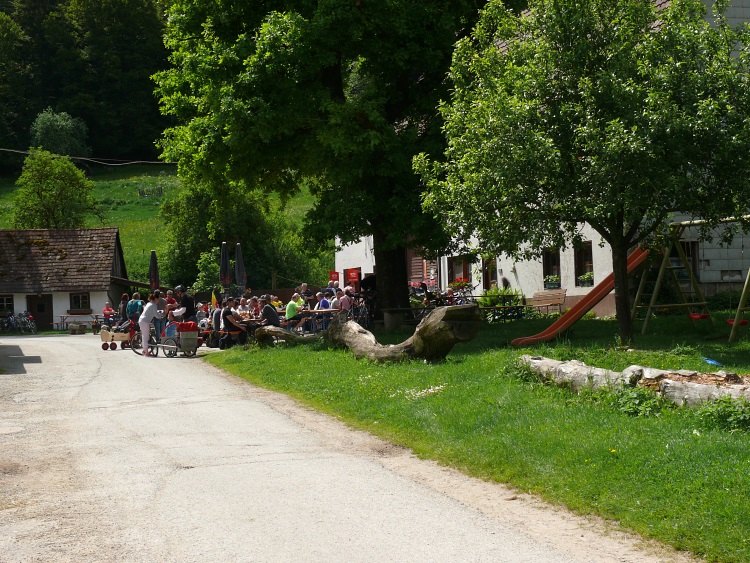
(546, 299)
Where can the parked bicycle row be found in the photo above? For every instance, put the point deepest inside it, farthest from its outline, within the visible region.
(22, 323)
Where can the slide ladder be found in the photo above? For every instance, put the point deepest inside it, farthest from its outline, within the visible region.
(599, 292)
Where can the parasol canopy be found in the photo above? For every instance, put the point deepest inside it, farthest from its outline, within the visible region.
(153, 272)
(239, 269)
(224, 274)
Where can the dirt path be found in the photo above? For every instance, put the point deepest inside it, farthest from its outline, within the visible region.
(109, 456)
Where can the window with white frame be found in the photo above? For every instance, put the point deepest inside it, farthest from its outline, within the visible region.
(80, 301)
(6, 305)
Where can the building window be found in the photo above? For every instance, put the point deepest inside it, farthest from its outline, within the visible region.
(459, 269)
(690, 248)
(551, 268)
(80, 301)
(489, 273)
(584, 264)
(6, 305)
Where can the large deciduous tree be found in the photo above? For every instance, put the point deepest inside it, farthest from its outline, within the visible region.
(52, 194)
(596, 111)
(339, 94)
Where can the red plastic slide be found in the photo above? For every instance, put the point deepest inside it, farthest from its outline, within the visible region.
(599, 292)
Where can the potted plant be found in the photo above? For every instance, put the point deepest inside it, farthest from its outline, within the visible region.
(551, 282)
(586, 280)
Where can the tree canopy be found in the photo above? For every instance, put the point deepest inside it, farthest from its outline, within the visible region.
(90, 58)
(596, 111)
(60, 133)
(52, 194)
(338, 94)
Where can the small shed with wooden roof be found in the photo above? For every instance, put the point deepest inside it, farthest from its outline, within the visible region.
(52, 272)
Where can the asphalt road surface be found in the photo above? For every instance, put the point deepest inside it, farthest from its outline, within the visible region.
(110, 456)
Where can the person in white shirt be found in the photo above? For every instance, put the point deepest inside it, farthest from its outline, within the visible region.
(150, 312)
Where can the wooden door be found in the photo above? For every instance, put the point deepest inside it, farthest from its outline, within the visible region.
(40, 307)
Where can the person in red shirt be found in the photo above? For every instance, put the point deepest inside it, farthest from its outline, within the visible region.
(109, 314)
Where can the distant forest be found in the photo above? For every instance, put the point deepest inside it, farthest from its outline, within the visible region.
(92, 59)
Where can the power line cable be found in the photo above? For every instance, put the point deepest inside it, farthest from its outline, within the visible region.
(97, 160)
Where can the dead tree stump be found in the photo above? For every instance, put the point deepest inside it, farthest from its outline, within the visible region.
(434, 338)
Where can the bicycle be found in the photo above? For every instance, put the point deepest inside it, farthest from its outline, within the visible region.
(26, 322)
(136, 344)
(360, 311)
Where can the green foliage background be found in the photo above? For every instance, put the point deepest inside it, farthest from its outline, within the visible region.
(131, 198)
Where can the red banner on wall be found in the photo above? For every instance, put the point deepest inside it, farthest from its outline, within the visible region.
(352, 276)
(333, 275)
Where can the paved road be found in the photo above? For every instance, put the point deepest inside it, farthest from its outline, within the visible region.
(109, 456)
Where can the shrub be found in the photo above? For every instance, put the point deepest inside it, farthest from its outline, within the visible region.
(726, 413)
(632, 401)
(500, 296)
(727, 300)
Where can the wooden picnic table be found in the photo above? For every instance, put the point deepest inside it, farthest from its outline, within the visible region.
(65, 320)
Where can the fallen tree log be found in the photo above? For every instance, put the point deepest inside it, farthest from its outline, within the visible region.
(433, 339)
(577, 375)
(681, 387)
(266, 335)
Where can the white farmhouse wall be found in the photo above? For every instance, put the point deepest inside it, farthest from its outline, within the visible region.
(528, 276)
(356, 255)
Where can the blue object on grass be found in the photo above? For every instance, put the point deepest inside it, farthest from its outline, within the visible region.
(712, 362)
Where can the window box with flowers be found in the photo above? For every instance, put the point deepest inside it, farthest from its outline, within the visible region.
(586, 280)
(551, 282)
(460, 284)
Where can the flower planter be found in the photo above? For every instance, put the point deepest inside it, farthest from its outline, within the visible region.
(551, 285)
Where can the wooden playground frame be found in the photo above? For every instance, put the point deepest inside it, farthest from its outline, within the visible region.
(699, 301)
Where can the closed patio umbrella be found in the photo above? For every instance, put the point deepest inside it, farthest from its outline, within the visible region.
(224, 274)
(239, 269)
(153, 272)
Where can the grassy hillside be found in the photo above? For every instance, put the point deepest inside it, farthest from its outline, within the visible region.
(131, 197)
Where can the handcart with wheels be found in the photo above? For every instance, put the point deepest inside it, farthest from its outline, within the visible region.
(122, 334)
(181, 338)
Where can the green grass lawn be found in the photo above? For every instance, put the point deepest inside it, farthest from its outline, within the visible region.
(665, 477)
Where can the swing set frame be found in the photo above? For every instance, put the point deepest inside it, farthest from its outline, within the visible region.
(699, 301)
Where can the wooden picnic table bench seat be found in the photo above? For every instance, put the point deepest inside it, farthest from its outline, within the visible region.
(548, 298)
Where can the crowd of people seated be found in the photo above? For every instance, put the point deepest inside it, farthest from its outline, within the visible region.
(234, 319)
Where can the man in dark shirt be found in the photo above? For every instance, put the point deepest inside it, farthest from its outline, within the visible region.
(231, 325)
(268, 313)
(187, 305)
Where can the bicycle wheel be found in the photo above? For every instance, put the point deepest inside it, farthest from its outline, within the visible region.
(136, 344)
(32, 325)
(363, 316)
(170, 347)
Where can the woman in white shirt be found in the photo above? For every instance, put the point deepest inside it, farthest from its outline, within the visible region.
(144, 321)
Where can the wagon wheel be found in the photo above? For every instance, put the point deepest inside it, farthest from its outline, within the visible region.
(189, 353)
(105, 346)
(113, 346)
(170, 347)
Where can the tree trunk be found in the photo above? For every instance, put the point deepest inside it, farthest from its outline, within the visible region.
(433, 339)
(267, 335)
(391, 274)
(622, 296)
